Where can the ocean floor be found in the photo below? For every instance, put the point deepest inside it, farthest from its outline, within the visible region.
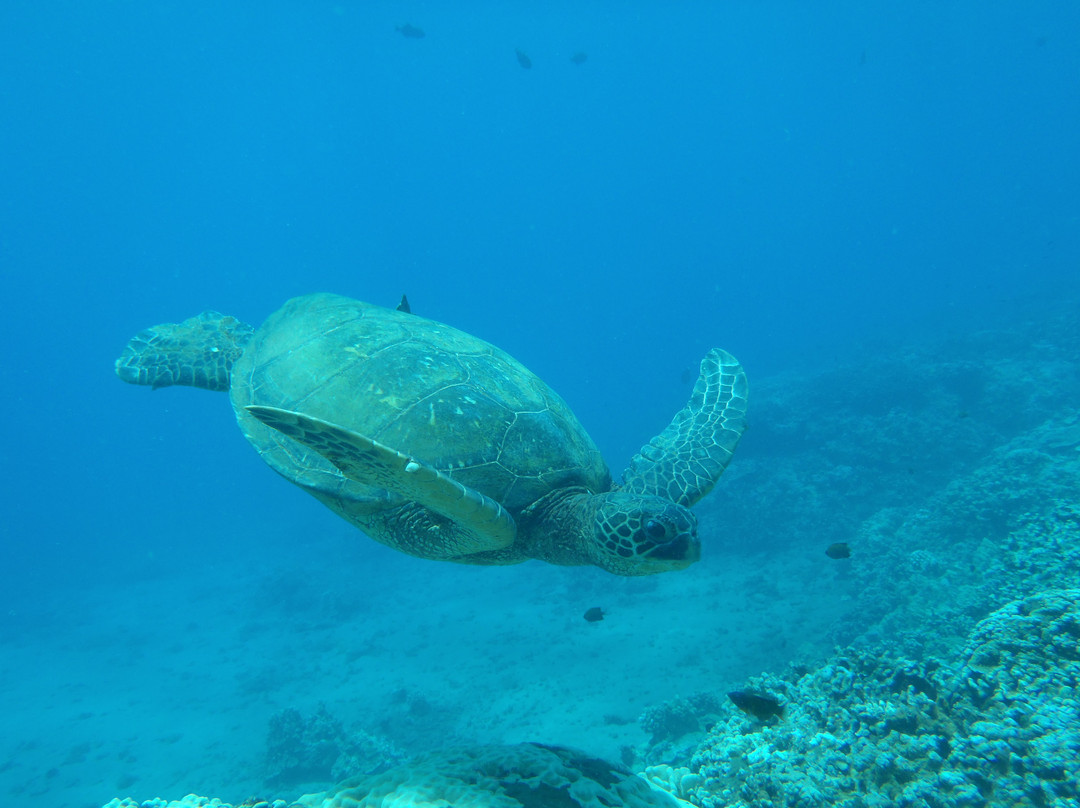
(167, 686)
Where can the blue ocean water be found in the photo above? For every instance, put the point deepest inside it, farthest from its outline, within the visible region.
(800, 184)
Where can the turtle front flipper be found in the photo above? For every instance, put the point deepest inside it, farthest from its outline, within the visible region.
(198, 352)
(683, 462)
(477, 522)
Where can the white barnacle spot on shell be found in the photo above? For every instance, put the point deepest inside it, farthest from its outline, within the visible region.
(431, 414)
(412, 467)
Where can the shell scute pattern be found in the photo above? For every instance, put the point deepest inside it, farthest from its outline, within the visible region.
(304, 358)
(419, 387)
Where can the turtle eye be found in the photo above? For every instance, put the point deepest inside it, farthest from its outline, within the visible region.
(655, 530)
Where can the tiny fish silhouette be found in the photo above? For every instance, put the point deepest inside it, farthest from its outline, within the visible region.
(404, 305)
(594, 615)
(838, 550)
(579, 58)
(410, 31)
(760, 707)
(523, 60)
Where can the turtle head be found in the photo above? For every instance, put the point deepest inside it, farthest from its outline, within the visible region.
(641, 534)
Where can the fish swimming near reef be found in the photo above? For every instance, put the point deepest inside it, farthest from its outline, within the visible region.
(753, 704)
(838, 549)
(579, 58)
(523, 60)
(410, 31)
(594, 615)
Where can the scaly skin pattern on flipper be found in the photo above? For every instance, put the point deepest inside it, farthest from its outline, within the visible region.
(684, 461)
(198, 352)
(473, 522)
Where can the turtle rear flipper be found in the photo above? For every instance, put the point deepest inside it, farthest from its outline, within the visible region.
(198, 352)
(683, 462)
(477, 522)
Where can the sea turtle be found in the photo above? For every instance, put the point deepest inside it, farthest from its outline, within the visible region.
(442, 446)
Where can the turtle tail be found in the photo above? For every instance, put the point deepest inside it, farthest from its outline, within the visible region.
(198, 352)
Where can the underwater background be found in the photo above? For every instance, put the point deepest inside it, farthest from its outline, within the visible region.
(875, 207)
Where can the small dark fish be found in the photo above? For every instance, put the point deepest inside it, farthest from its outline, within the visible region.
(523, 60)
(760, 707)
(410, 31)
(404, 305)
(838, 550)
(579, 58)
(594, 615)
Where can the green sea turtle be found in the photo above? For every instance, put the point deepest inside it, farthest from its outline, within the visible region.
(442, 446)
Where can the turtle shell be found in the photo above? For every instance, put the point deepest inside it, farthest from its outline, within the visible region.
(417, 386)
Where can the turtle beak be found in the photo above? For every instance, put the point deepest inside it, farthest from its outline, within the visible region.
(685, 547)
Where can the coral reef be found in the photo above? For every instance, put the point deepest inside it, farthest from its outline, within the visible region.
(194, 801)
(997, 725)
(677, 726)
(525, 775)
(1007, 529)
(317, 748)
(677, 717)
(832, 445)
